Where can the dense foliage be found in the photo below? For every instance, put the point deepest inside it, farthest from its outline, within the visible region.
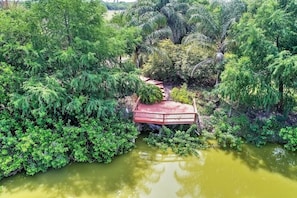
(261, 72)
(259, 76)
(60, 82)
(246, 48)
(34, 148)
(174, 64)
(289, 134)
(63, 69)
(182, 142)
(226, 132)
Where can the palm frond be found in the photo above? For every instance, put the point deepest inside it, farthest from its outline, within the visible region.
(205, 24)
(178, 25)
(181, 7)
(198, 39)
(144, 48)
(162, 55)
(178, 20)
(143, 9)
(225, 27)
(156, 21)
(167, 11)
(159, 35)
(204, 62)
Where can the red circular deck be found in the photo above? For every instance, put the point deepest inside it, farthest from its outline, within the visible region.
(165, 112)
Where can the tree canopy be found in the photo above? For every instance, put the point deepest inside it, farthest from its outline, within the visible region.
(60, 85)
(260, 73)
(64, 71)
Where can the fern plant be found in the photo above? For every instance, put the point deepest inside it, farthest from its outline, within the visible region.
(150, 94)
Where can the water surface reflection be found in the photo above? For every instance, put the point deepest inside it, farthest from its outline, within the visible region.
(146, 172)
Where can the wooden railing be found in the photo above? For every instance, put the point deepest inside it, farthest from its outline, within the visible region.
(164, 118)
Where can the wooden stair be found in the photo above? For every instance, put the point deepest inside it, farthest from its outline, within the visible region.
(157, 83)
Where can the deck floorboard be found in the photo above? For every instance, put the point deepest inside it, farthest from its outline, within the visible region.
(164, 113)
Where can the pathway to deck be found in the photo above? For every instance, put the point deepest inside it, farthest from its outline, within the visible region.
(166, 112)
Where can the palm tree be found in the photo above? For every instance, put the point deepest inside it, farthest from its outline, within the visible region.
(211, 29)
(158, 20)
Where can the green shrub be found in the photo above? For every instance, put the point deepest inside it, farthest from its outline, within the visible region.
(160, 68)
(226, 131)
(263, 131)
(209, 107)
(182, 95)
(150, 94)
(165, 64)
(289, 134)
(181, 142)
(228, 140)
(32, 148)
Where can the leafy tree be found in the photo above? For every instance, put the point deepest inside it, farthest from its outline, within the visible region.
(65, 60)
(278, 26)
(130, 35)
(60, 81)
(284, 70)
(259, 75)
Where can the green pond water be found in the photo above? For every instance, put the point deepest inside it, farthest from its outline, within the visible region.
(145, 172)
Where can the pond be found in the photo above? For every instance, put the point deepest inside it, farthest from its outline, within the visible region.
(145, 172)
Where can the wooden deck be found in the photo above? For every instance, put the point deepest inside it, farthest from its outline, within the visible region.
(165, 113)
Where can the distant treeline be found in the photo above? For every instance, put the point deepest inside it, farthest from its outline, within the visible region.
(109, 5)
(118, 6)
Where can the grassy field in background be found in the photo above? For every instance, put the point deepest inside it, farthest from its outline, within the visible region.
(110, 13)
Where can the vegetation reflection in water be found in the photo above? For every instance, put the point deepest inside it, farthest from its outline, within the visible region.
(145, 172)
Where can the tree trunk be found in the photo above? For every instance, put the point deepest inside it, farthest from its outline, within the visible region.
(120, 60)
(137, 57)
(280, 105)
(67, 26)
(218, 77)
